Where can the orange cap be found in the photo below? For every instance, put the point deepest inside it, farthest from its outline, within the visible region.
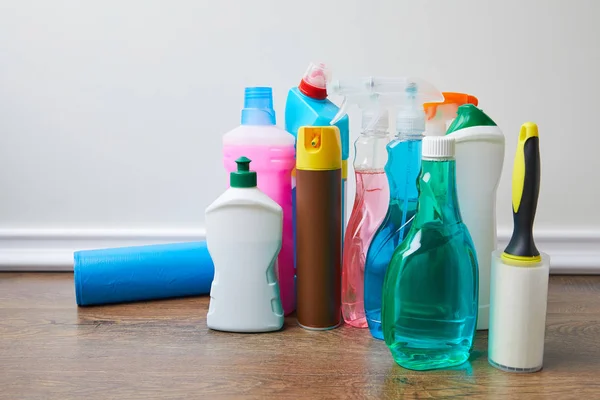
(450, 98)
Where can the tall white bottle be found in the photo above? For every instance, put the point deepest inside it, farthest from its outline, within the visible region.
(479, 161)
(243, 236)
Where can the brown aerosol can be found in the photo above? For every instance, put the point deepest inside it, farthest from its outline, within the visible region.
(319, 227)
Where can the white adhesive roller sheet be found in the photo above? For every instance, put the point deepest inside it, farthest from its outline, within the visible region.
(518, 300)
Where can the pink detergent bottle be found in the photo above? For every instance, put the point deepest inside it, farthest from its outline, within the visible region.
(370, 206)
(272, 152)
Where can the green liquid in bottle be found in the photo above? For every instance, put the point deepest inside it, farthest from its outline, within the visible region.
(430, 295)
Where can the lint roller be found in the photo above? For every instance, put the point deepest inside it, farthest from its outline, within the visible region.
(519, 274)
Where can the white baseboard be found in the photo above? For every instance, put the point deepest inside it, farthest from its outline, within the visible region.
(571, 251)
(52, 249)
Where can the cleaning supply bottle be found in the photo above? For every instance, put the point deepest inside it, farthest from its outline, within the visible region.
(372, 188)
(402, 169)
(370, 206)
(272, 151)
(243, 236)
(479, 161)
(439, 116)
(319, 262)
(308, 105)
(519, 284)
(430, 290)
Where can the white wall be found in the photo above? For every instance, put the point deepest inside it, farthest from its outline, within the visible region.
(111, 113)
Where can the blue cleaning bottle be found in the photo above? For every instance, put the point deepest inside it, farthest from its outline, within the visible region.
(307, 105)
(402, 169)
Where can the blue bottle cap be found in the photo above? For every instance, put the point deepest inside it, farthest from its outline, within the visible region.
(258, 106)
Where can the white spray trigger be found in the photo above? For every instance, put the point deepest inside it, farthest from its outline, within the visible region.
(341, 112)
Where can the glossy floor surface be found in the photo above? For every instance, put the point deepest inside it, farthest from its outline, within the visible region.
(51, 349)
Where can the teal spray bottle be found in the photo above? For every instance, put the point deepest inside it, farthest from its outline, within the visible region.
(308, 105)
(405, 96)
(430, 294)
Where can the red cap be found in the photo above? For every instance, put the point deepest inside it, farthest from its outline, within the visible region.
(314, 82)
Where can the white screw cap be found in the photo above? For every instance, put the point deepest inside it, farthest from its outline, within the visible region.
(437, 147)
(410, 121)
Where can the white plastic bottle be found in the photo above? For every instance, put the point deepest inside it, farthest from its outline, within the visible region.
(243, 236)
(479, 161)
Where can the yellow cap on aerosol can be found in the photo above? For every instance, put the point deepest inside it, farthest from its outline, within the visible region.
(318, 148)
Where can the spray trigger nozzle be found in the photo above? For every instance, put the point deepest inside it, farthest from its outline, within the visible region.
(378, 95)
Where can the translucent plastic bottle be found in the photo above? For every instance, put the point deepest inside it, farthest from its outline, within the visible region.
(430, 296)
(272, 152)
(402, 169)
(370, 205)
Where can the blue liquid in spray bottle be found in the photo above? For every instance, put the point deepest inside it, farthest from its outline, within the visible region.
(403, 168)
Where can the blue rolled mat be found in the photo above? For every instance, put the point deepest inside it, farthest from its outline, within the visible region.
(137, 273)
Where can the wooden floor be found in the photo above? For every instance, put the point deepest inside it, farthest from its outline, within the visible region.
(51, 349)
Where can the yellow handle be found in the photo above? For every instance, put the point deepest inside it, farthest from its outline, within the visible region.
(525, 193)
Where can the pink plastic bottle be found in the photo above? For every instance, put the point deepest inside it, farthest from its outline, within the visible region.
(272, 152)
(370, 207)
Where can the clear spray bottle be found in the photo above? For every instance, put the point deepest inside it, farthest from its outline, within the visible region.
(382, 209)
(370, 202)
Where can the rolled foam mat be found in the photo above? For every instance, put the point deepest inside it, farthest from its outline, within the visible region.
(127, 274)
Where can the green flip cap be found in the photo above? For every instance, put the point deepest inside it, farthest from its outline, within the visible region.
(243, 177)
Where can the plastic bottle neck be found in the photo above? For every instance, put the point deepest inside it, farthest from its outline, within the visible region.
(257, 116)
(438, 199)
(258, 106)
(375, 133)
(370, 152)
(409, 135)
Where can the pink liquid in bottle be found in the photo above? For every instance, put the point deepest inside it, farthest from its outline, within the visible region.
(370, 206)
